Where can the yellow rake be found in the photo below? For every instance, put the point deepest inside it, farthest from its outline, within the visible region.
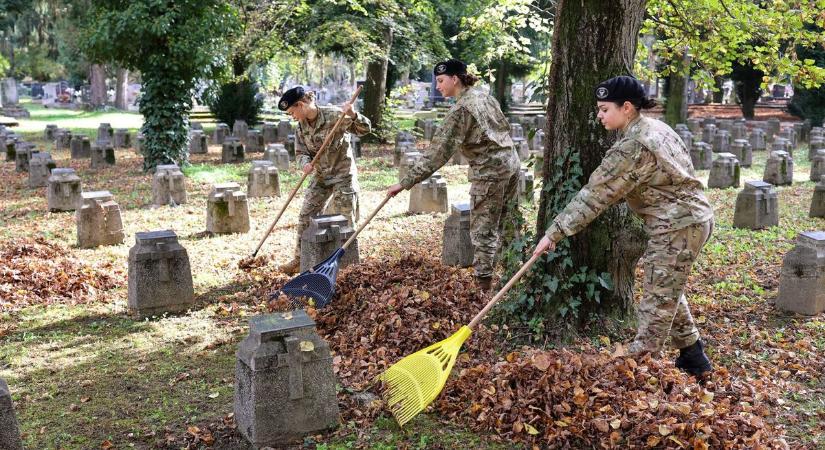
(412, 383)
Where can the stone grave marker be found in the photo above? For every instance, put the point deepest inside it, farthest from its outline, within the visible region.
(65, 190)
(103, 154)
(168, 186)
(814, 146)
(757, 140)
(278, 155)
(227, 210)
(22, 156)
(40, 167)
(741, 148)
(263, 180)
(779, 169)
(782, 144)
(232, 151)
(429, 196)
(709, 133)
(739, 131)
(802, 280)
(284, 130)
(457, 246)
(62, 139)
(122, 138)
(81, 146)
(270, 132)
(98, 220)
(773, 129)
(537, 141)
(220, 133)
(9, 429)
(325, 234)
(818, 200)
(48, 133)
(724, 172)
(160, 277)
(525, 185)
(756, 206)
(105, 133)
(721, 141)
(285, 387)
(254, 141)
(408, 161)
(240, 130)
(695, 124)
(818, 166)
(687, 138)
(139, 140)
(197, 142)
(701, 155)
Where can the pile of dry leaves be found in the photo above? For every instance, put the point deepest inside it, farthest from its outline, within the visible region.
(35, 271)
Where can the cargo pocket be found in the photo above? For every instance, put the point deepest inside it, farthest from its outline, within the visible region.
(479, 191)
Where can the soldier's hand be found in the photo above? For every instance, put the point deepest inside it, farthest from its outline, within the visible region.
(347, 109)
(307, 168)
(544, 245)
(394, 190)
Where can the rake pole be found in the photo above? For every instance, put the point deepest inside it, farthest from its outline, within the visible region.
(324, 146)
(364, 225)
(504, 290)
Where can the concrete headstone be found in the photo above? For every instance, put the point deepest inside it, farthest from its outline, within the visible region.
(65, 190)
(220, 133)
(98, 220)
(81, 146)
(240, 130)
(278, 155)
(325, 234)
(160, 277)
(818, 166)
(779, 169)
(263, 180)
(232, 151)
(457, 246)
(197, 142)
(741, 148)
(9, 429)
(168, 186)
(429, 196)
(122, 138)
(818, 200)
(802, 280)
(701, 155)
(756, 206)
(724, 172)
(103, 154)
(227, 210)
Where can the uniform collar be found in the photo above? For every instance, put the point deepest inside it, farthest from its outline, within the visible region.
(319, 120)
(632, 125)
(462, 92)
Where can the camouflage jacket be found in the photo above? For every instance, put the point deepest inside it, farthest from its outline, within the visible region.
(476, 126)
(337, 159)
(650, 168)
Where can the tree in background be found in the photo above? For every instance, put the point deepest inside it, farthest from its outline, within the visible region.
(173, 45)
(808, 101)
(723, 35)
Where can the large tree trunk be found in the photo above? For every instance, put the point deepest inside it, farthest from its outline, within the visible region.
(375, 87)
(502, 92)
(592, 41)
(676, 106)
(122, 88)
(97, 79)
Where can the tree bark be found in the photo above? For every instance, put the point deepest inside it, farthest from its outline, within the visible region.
(375, 87)
(97, 79)
(676, 107)
(122, 88)
(503, 85)
(592, 41)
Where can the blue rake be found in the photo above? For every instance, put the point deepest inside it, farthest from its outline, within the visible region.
(317, 284)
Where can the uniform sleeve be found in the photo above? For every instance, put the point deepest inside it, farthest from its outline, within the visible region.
(301, 152)
(623, 169)
(446, 140)
(360, 125)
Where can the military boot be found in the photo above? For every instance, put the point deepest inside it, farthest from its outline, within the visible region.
(484, 283)
(291, 268)
(693, 360)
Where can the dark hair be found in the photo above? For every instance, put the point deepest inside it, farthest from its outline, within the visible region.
(638, 103)
(467, 79)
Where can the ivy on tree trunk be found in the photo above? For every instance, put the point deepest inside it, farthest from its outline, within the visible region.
(592, 41)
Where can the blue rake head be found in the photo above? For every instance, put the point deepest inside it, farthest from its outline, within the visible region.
(317, 283)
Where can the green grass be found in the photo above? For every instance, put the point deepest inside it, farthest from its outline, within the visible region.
(76, 120)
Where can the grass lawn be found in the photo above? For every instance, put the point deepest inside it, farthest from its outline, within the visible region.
(83, 374)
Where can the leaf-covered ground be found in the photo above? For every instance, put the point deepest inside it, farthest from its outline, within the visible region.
(85, 375)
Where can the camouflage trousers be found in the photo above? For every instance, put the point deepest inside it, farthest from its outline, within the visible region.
(663, 310)
(344, 193)
(491, 203)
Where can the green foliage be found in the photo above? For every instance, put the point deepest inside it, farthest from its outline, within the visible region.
(34, 61)
(237, 100)
(721, 33)
(549, 298)
(173, 45)
(809, 102)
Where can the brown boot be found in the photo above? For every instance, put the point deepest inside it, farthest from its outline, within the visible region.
(484, 283)
(291, 268)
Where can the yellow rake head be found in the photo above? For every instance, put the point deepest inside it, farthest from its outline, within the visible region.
(415, 381)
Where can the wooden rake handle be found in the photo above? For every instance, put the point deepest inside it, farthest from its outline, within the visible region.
(504, 290)
(364, 225)
(304, 176)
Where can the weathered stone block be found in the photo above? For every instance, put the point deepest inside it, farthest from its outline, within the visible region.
(160, 277)
(426, 128)
(407, 161)
(98, 220)
(48, 133)
(741, 148)
(756, 206)
(758, 140)
(782, 144)
(9, 430)
(779, 169)
(40, 167)
(269, 130)
(709, 133)
(401, 149)
(802, 280)
(254, 141)
(516, 131)
(81, 146)
(22, 156)
(724, 172)
(695, 125)
(680, 127)
(814, 146)
(725, 125)
(103, 154)
(263, 180)
(65, 190)
(227, 210)
(687, 137)
(701, 155)
(429, 196)
(818, 200)
(122, 138)
(105, 133)
(284, 130)
(326, 234)
(240, 130)
(168, 186)
(538, 164)
(197, 142)
(62, 139)
(139, 140)
(537, 141)
(721, 141)
(457, 247)
(525, 185)
(220, 133)
(773, 129)
(790, 135)
(522, 148)
(284, 382)
(278, 155)
(232, 151)
(739, 131)
(10, 148)
(818, 166)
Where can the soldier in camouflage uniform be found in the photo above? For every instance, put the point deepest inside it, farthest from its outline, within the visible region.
(475, 126)
(650, 168)
(335, 171)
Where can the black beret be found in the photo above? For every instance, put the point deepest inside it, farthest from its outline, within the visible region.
(290, 97)
(620, 89)
(450, 67)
